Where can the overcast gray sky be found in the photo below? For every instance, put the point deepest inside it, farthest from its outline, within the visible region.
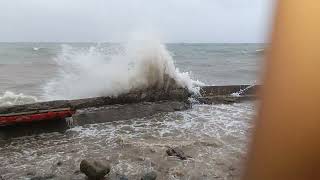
(114, 20)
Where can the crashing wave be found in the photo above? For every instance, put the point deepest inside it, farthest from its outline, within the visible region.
(141, 65)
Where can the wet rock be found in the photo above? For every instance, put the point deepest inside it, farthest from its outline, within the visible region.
(59, 163)
(3, 136)
(45, 177)
(117, 176)
(77, 172)
(177, 152)
(121, 177)
(232, 168)
(214, 144)
(30, 173)
(152, 150)
(149, 176)
(94, 169)
(200, 177)
(178, 173)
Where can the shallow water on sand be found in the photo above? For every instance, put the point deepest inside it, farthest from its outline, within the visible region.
(215, 136)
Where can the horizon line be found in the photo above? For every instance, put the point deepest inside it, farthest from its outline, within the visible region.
(105, 42)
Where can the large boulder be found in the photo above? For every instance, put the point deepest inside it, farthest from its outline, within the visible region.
(149, 176)
(93, 169)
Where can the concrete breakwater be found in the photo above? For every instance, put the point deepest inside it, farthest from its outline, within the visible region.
(137, 104)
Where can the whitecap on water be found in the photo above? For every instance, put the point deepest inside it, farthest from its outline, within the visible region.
(10, 98)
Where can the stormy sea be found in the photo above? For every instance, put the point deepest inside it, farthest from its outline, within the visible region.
(215, 137)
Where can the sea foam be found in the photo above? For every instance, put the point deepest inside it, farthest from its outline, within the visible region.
(10, 98)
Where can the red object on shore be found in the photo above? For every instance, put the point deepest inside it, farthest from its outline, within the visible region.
(25, 117)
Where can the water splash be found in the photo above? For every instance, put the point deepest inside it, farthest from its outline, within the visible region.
(241, 91)
(139, 65)
(10, 98)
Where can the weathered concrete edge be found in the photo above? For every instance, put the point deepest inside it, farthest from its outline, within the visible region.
(127, 111)
(226, 99)
(129, 98)
(228, 90)
(149, 95)
(93, 116)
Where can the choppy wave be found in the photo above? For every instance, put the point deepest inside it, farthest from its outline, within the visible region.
(89, 73)
(10, 98)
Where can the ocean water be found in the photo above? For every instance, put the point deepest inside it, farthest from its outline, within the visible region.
(215, 136)
(28, 67)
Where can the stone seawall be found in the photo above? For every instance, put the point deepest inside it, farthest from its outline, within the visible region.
(137, 104)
